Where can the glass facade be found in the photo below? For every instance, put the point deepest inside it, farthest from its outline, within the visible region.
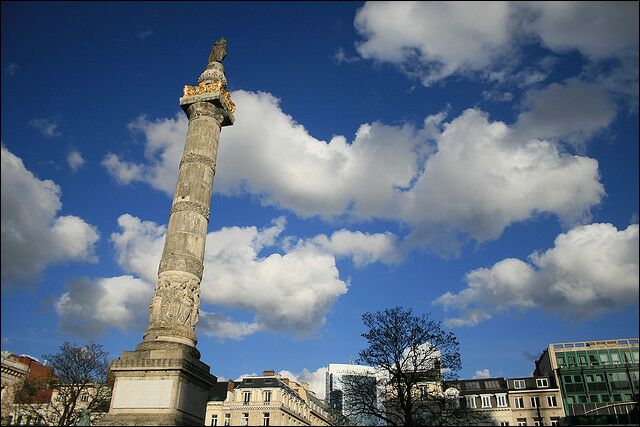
(593, 378)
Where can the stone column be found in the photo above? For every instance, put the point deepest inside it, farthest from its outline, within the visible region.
(174, 307)
(163, 382)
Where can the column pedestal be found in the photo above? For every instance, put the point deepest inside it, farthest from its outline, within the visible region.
(159, 387)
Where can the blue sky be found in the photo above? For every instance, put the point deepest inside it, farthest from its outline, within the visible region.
(479, 162)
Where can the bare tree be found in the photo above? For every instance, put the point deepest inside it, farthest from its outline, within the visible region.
(411, 355)
(78, 385)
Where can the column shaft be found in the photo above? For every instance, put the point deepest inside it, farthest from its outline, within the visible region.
(175, 304)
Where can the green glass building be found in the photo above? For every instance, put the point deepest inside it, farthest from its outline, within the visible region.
(598, 379)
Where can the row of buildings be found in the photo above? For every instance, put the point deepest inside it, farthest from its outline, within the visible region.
(574, 383)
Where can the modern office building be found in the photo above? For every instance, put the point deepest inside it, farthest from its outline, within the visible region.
(598, 380)
(335, 395)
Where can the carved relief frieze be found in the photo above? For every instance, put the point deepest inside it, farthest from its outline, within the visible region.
(176, 300)
(190, 206)
(203, 87)
(181, 262)
(198, 158)
(227, 97)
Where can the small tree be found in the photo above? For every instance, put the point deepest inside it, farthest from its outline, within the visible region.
(411, 355)
(79, 383)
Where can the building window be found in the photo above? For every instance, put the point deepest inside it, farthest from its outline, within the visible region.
(519, 402)
(522, 421)
(246, 397)
(491, 384)
(551, 400)
(245, 418)
(266, 396)
(535, 401)
(518, 384)
(619, 376)
(555, 421)
(583, 360)
(504, 423)
(486, 401)
(227, 419)
(594, 378)
(537, 422)
(542, 382)
(214, 420)
(423, 391)
(84, 397)
(471, 401)
(502, 400)
(265, 419)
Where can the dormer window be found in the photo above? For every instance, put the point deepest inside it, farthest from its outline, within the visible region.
(542, 382)
(519, 384)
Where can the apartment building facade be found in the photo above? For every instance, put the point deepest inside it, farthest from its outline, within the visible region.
(265, 400)
(525, 401)
(489, 396)
(535, 401)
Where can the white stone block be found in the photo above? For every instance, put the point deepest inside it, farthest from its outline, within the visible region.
(136, 393)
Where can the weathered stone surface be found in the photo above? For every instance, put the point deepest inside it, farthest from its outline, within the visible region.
(142, 394)
(213, 72)
(163, 382)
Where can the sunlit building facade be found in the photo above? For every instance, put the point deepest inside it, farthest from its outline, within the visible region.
(598, 380)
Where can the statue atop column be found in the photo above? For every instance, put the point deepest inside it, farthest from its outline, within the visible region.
(218, 51)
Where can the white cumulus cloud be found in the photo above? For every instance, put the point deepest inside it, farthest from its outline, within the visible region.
(75, 160)
(316, 379)
(481, 374)
(288, 287)
(571, 111)
(222, 327)
(33, 234)
(89, 306)
(470, 177)
(590, 270)
(483, 178)
(597, 29)
(437, 39)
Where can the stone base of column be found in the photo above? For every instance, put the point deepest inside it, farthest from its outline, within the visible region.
(161, 387)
